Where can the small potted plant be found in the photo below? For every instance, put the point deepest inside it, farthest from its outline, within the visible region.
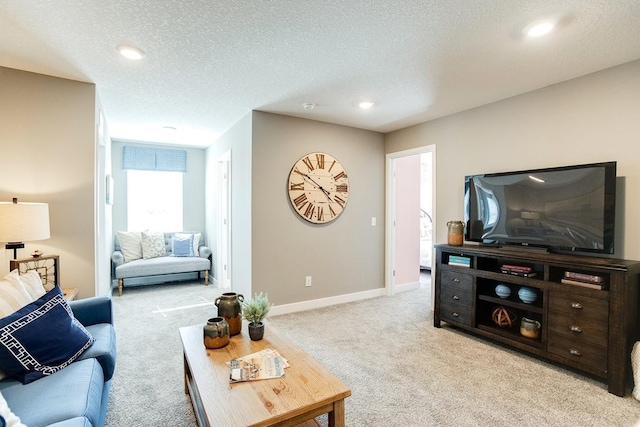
(254, 311)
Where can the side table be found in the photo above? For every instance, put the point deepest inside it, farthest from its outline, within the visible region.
(70, 293)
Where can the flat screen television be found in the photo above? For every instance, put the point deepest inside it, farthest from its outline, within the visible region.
(569, 208)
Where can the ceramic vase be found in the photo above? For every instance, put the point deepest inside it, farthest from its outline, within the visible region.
(216, 333)
(455, 233)
(530, 328)
(229, 307)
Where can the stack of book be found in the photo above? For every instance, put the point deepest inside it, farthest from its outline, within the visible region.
(517, 270)
(581, 279)
(460, 261)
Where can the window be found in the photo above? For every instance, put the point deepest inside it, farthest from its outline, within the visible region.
(154, 200)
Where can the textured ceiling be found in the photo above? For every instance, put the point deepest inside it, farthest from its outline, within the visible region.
(210, 62)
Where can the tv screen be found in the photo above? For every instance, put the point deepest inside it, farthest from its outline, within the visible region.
(570, 208)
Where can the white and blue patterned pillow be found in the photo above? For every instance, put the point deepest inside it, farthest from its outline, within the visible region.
(182, 246)
(152, 245)
(41, 338)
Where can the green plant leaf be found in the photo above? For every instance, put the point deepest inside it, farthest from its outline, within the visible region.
(256, 310)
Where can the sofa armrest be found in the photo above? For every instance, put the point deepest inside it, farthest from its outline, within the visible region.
(117, 258)
(204, 252)
(91, 311)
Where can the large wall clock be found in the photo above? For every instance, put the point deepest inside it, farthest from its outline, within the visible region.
(318, 188)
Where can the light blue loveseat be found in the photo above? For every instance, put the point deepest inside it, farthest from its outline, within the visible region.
(161, 269)
(78, 394)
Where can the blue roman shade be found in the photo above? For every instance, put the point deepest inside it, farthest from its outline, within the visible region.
(154, 159)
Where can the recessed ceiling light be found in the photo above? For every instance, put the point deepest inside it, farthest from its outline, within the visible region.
(538, 28)
(365, 105)
(308, 105)
(130, 52)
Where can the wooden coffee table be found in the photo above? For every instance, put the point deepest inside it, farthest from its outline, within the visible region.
(306, 391)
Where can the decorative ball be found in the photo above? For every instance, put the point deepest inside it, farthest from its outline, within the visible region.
(503, 291)
(503, 317)
(527, 295)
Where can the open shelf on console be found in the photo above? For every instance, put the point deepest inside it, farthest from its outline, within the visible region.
(509, 302)
(512, 334)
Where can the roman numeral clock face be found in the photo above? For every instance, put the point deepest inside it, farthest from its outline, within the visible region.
(318, 188)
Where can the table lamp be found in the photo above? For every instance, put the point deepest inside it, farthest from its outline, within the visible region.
(21, 222)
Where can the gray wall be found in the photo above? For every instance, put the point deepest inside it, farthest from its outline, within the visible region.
(590, 119)
(193, 188)
(47, 134)
(344, 256)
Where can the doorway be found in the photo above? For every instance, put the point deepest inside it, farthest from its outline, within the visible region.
(410, 211)
(224, 221)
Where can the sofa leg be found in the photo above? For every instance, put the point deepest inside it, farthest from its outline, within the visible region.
(206, 277)
(120, 286)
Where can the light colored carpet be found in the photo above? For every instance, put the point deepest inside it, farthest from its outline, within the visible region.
(401, 370)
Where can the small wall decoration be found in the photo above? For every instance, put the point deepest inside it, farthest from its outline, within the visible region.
(109, 190)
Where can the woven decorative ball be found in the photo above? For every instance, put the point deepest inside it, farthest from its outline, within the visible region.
(503, 317)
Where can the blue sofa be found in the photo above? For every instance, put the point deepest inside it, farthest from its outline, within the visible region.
(78, 394)
(161, 269)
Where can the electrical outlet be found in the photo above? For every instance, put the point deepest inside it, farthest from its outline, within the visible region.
(308, 281)
(373, 221)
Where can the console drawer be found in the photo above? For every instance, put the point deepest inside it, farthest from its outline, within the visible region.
(578, 328)
(456, 313)
(455, 295)
(578, 350)
(579, 307)
(459, 280)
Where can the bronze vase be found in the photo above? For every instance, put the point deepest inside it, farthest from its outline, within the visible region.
(229, 307)
(216, 333)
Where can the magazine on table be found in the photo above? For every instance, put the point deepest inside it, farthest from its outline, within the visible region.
(257, 366)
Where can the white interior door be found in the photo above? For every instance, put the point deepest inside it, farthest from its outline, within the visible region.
(224, 221)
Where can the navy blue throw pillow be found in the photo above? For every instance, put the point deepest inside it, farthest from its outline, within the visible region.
(41, 338)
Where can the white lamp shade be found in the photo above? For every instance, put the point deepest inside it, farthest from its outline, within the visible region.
(24, 222)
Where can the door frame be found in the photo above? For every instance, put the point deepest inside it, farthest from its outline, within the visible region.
(390, 212)
(224, 279)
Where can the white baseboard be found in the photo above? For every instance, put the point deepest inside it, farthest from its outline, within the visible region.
(407, 287)
(325, 302)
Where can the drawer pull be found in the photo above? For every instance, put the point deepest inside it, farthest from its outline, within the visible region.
(576, 305)
(574, 352)
(454, 314)
(456, 280)
(575, 328)
(455, 297)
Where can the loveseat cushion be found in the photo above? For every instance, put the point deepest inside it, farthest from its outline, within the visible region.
(75, 391)
(74, 422)
(161, 265)
(91, 311)
(41, 338)
(103, 349)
